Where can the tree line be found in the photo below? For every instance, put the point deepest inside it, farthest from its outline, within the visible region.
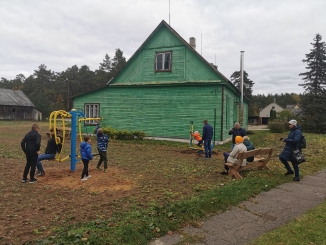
(50, 91)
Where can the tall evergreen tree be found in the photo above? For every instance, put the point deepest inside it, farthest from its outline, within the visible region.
(314, 101)
(247, 83)
(118, 62)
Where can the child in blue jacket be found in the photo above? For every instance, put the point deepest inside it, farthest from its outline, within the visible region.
(86, 155)
(102, 145)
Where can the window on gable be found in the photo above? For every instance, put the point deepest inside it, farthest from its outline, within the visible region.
(92, 111)
(163, 61)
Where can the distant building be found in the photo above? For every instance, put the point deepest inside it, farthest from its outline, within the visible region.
(264, 114)
(14, 105)
(295, 109)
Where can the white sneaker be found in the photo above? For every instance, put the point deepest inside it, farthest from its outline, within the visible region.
(88, 176)
(83, 179)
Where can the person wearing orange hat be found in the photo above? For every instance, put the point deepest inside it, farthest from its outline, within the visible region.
(232, 157)
(196, 135)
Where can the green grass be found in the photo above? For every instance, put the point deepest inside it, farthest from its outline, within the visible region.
(307, 229)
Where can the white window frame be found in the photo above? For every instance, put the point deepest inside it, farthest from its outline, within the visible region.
(161, 58)
(92, 110)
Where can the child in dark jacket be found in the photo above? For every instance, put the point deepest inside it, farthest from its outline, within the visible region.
(102, 145)
(250, 146)
(86, 155)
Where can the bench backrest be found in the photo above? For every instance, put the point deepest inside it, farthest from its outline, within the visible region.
(255, 152)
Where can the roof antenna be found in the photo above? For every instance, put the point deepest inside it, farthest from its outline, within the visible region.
(169, 13)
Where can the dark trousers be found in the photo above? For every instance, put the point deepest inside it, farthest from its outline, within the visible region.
(226, 155)
(208, 148)
(85, 170)
(103, 158)
(288, 168)
(30, 167)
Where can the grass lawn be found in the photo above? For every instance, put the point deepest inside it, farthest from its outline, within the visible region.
(152, 188)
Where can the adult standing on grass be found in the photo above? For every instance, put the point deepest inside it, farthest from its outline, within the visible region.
(31, 144)
(237, 131)
(102, 145)
(291, 142)
(207, 138)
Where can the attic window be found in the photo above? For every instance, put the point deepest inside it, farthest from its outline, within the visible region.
(163, 61)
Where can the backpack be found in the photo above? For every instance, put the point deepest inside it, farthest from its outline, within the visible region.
(302, 143)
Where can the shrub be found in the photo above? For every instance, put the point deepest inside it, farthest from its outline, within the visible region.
(123, 134)
(277, 127)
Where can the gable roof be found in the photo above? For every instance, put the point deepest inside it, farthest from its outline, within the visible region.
(14, 98)
(163, 23)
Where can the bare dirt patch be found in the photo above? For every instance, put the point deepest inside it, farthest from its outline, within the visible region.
(139, 174)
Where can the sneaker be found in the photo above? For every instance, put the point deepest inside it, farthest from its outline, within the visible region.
(42, 173)
(24, 180)
(296, 179)
(289, 172)
(105, 170)
(98, 167)
(31, 181)
(224, 173)
(83, 179)
(88, 176)
(38, 172)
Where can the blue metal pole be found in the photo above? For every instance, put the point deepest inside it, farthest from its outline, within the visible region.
(73, 154)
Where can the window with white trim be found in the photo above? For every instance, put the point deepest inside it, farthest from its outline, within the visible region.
(163, 61)
(92, 111)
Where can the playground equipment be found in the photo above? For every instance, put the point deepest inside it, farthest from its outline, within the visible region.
(74, 115)
(191, 142)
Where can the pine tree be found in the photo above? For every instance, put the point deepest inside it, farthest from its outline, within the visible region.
(314, 101)
(118, 62)
(247, 83)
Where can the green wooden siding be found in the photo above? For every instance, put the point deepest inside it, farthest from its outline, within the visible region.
(163, 111)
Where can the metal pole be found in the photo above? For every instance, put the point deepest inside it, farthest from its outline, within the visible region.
(241, 87)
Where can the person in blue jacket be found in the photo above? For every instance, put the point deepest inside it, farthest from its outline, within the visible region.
(291, 142)
(102, 145)
(86, 155)
(207, 138)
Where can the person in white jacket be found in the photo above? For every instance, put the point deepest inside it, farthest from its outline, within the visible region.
(232, 157)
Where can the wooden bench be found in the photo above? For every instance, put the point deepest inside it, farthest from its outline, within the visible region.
(261, 158)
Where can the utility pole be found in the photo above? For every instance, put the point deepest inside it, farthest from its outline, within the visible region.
(241, 87)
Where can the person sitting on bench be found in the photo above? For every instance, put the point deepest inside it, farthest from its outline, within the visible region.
(232, 157)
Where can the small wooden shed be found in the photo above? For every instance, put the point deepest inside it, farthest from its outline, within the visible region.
(14, 105)
(165, 85)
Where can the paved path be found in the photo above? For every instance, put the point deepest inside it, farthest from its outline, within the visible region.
(251, 219)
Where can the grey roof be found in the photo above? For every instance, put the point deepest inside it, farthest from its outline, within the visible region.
(14, 98)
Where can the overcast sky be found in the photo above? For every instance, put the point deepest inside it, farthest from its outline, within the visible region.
(275, 34)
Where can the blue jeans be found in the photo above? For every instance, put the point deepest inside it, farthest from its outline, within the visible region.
(43, 157)
(288, 168)
(226, 155)
(208, 149)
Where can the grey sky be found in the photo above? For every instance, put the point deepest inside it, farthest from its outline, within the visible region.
(274, 34)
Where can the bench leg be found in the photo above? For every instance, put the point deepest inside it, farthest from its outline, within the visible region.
(234, 173)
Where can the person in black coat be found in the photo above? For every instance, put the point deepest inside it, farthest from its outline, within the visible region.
(291, 142)
(237, 131)
(30, 145)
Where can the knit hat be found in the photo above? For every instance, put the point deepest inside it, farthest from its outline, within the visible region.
(246, 138)
(238, 139)
(293, 122)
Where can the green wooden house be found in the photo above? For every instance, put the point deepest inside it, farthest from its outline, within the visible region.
(165, 85)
